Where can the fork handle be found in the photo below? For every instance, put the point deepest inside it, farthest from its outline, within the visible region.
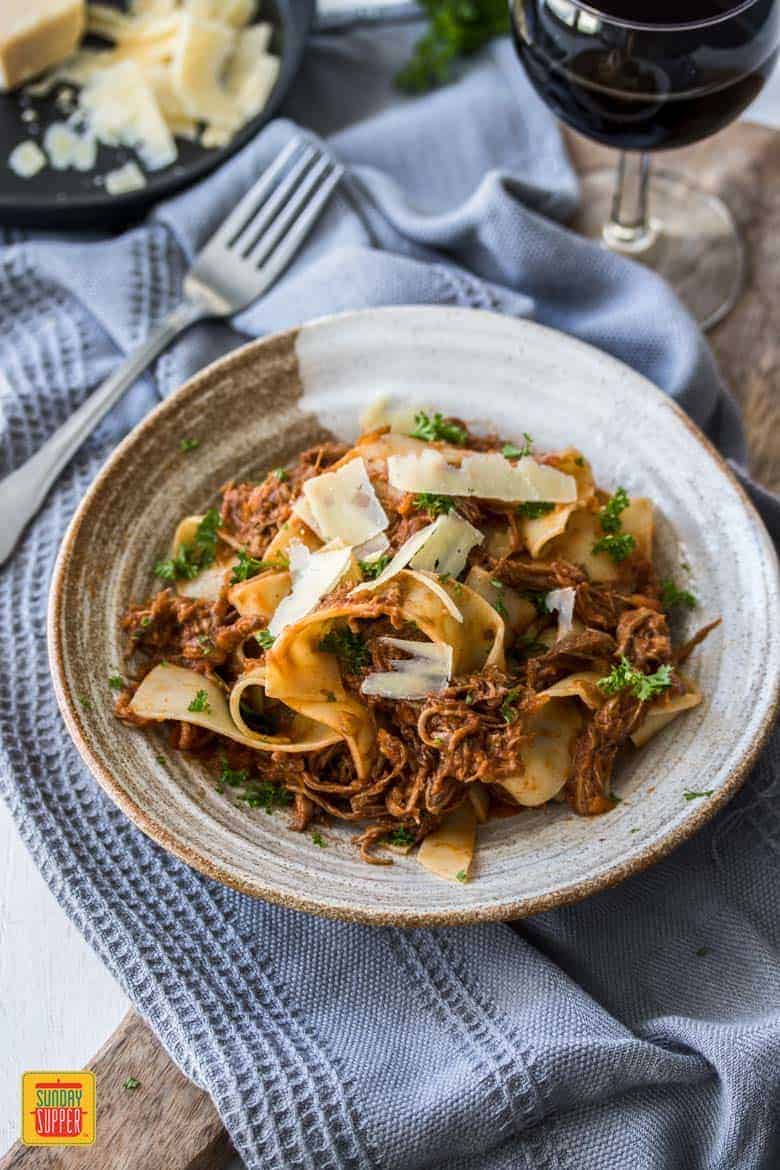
(28, 486)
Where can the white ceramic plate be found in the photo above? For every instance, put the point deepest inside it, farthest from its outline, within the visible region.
(257, 408)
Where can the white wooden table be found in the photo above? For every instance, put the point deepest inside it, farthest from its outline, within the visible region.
(41, 953)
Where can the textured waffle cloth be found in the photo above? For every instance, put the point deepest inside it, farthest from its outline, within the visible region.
(638, 1029)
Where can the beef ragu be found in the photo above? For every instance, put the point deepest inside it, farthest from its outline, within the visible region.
(408, 634)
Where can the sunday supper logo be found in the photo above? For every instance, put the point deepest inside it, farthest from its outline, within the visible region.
(58, 1108)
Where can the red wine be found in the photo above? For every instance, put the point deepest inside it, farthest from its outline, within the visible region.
(652, 74)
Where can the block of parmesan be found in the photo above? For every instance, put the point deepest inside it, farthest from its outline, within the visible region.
(35, 34)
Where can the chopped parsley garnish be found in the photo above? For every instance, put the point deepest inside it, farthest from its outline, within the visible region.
(161, 759)
(319, 840)
(281, 474)
(533, 509)
(624, 676)
(538, 600)
(461, 876)
(200, 703)
(85, 702)
(145, 622)
(401, 836)
(702, 951)
(348, 647)
(265, 639)
(436, 505)
(618, 546)
(671, 596)
(189, 444)
(580, 461)
(456, 29)
(372, 569)
(508, 708)
(609, 516)
(247, 567)
(499, 606)
(267, 796)
(190, 558)
(131, 1084)
(232, 777)
(510, 451)
(436, 428)
(116, 682)
(695, 795)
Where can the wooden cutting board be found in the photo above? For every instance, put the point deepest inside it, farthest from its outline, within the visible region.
(168, 1124)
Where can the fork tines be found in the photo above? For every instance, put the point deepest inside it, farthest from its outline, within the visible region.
(272, 219)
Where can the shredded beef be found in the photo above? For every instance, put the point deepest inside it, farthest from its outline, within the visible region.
(595, 749)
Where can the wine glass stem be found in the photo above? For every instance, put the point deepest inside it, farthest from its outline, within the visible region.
(628, 228)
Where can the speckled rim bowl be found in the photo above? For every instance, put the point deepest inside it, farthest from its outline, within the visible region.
(260, 405)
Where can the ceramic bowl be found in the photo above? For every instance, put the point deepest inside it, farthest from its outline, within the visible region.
(254, 410)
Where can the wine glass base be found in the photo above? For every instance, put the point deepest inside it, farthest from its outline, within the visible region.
(692, 240)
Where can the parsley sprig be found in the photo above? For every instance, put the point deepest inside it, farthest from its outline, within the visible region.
(265, 638)
(672, 597)
(248, 566)
(348, 647)
(191, 558)
(616, 544)
(401, 836)
(437, 428)
(508, 708)
(372, 569)
(457, 29)
(533, 509)
(200, 704)
(624, 676)
(436, 505)
(510, 451)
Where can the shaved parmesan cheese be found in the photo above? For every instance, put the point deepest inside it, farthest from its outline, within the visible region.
(427, 671)
(196, 69)
(344, 504)
(130, 177)
(35, 34)
(252, 72)
(302, 510)
(371, 550)
(401, 558)
(313, 575)
(122, 111)
(562, 600)
(66, 148)
(446, 550)
(400, 419)
(488, 476)
(26, 159)
(199, 62)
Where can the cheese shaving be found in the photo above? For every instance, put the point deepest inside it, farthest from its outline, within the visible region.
(446, 550)
(562, 600)
(401, 558)
(486, 475)
(26, 159)
(345, 505)
(195, 69)
(313, 575)
(426, 671)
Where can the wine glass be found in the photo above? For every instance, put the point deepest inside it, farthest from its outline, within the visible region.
(651, 75)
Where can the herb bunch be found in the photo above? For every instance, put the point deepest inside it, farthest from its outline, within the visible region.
(457, 28)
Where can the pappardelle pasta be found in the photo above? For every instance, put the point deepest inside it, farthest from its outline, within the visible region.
(414, 633)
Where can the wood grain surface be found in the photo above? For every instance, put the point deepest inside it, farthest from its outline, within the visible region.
(742, 165)
(166, 1123)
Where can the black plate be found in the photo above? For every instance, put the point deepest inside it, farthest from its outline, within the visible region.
(72, 199)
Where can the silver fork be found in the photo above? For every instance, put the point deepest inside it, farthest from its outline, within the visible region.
(238, 264)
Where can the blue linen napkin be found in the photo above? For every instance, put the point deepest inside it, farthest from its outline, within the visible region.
(638, 1029)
